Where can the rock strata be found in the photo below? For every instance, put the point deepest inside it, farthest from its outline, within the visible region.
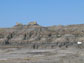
(36, 36)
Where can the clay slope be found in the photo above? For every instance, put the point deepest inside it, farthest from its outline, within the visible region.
(36, 36)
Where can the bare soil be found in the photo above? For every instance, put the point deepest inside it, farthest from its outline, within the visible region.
(57, 55)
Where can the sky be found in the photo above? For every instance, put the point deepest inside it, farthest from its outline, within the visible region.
(45, 12)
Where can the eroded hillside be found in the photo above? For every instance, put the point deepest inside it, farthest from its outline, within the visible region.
(35, 36)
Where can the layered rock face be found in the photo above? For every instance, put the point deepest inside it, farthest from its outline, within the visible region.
(36, 36)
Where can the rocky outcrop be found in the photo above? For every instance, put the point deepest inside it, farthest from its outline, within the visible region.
(36, 36)
(33, 23)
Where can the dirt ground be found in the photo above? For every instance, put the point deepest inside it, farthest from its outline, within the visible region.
(57, 55)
